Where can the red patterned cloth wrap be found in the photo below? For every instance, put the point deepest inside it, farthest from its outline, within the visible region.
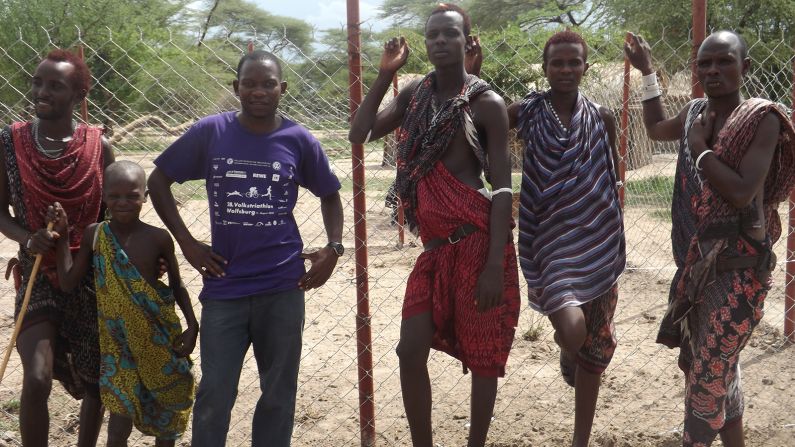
(74, 179)
(709, 207)
(712, 314)
(444, 279)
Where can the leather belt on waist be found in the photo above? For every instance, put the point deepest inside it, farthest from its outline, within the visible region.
(764, 262)
(455, 237)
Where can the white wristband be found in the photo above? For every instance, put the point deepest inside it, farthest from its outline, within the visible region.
(700, 156)
(497, 191)
(649, 79)
(651, 89)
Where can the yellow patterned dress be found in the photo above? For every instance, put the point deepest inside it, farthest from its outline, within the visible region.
(141, 376)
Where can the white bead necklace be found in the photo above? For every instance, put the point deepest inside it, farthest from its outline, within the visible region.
(555, 114)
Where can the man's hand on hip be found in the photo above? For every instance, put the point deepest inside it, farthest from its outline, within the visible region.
(323, 263)
(203, 259)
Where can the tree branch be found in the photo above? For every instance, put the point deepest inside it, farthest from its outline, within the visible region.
(207, 22)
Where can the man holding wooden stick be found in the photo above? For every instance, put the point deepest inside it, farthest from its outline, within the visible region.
(49, 159)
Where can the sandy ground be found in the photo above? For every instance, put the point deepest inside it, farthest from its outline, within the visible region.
(642, 393)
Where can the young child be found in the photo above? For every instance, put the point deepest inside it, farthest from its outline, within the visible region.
(571, 233)
(145, 376)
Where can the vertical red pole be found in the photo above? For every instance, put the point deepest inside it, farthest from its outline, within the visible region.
(363, 329)
(699, 34)
(624, 128)
(84, 104)
(401, 214)
(250, 46)
(789, 294)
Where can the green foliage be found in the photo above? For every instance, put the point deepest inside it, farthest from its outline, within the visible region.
(96, 24)
(765, 24)
(512, 61)
(151, 56)
(241, 21)
(410, 13)
(574, 13)
(495, 14)
(655, 192)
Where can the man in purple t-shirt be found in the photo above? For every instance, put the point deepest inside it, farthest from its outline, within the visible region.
(254, 278)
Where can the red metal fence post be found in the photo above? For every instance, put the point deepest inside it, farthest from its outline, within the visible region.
(624, 128)
(789, 294)
(363, 329)
(699, 34)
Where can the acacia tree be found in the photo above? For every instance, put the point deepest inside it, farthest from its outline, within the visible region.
(240, 21)
(498, 14)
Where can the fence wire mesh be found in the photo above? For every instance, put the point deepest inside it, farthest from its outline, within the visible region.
(148, 92)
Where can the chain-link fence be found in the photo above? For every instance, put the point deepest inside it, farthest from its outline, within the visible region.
(146, 93)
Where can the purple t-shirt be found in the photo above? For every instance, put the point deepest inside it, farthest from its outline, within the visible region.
(252, 184)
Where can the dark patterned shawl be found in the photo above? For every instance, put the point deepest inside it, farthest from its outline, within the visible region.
(426, 133)
(697, 205)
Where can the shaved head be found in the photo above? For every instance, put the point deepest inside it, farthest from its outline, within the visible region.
(727, 38)
(125, 170)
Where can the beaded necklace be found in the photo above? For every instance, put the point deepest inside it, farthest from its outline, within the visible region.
(555, 114)
(49, 153)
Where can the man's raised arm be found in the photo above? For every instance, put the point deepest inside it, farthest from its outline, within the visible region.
(369, 124)
(658, 127)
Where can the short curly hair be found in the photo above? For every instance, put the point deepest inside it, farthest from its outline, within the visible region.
(81, 77)
(566, 36)
(441, 8)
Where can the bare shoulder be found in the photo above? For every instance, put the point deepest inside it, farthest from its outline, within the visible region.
(514, 107)
(107, 152)
(606, 114)
(489, 98)
(88, 232)
(488, 105)
(160, 236)
(405, 94)
(769, 126)
(88, 235)
(682, 116)
(411, 87)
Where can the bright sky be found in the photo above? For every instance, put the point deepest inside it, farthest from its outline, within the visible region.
(323, 14)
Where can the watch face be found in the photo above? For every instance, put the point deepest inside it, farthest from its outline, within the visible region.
(337, 247)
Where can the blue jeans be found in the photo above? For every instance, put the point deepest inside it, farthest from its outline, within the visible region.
(274, 324)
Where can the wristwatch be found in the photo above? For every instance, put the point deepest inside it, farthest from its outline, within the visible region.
(339, 250)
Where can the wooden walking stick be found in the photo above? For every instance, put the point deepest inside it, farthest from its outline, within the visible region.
(23, 310)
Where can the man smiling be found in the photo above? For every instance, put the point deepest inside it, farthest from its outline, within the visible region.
(51, 159)
(254, 277)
